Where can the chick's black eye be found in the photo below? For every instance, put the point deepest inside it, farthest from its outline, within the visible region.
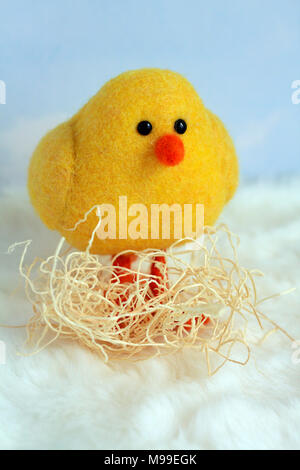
(144, 127)
(180, 126)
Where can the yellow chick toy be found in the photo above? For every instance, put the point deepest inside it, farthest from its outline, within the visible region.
(145, 135)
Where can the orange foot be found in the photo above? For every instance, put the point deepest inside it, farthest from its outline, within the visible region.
(203, 319)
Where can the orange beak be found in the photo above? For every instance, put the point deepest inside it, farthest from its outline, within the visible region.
(169, 150)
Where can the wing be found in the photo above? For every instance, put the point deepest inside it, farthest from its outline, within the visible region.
(226, 151)
(50, 174)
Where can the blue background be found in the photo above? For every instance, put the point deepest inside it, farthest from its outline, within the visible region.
(242, 57)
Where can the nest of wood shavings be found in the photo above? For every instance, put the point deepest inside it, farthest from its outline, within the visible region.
(203, 300)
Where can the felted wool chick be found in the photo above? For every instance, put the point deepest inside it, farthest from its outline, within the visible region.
(145, 135)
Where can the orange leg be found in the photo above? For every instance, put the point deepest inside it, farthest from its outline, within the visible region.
(124, 261)
(160, 275)
(156, 286)
(124, 277)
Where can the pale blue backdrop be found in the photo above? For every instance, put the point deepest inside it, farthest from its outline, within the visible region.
(241, 55)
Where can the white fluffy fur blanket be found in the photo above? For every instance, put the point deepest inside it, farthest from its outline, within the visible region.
(66, 398)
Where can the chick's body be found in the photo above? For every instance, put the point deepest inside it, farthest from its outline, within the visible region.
(98, 156)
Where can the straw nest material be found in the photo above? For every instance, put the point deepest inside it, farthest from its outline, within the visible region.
(202, 300)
